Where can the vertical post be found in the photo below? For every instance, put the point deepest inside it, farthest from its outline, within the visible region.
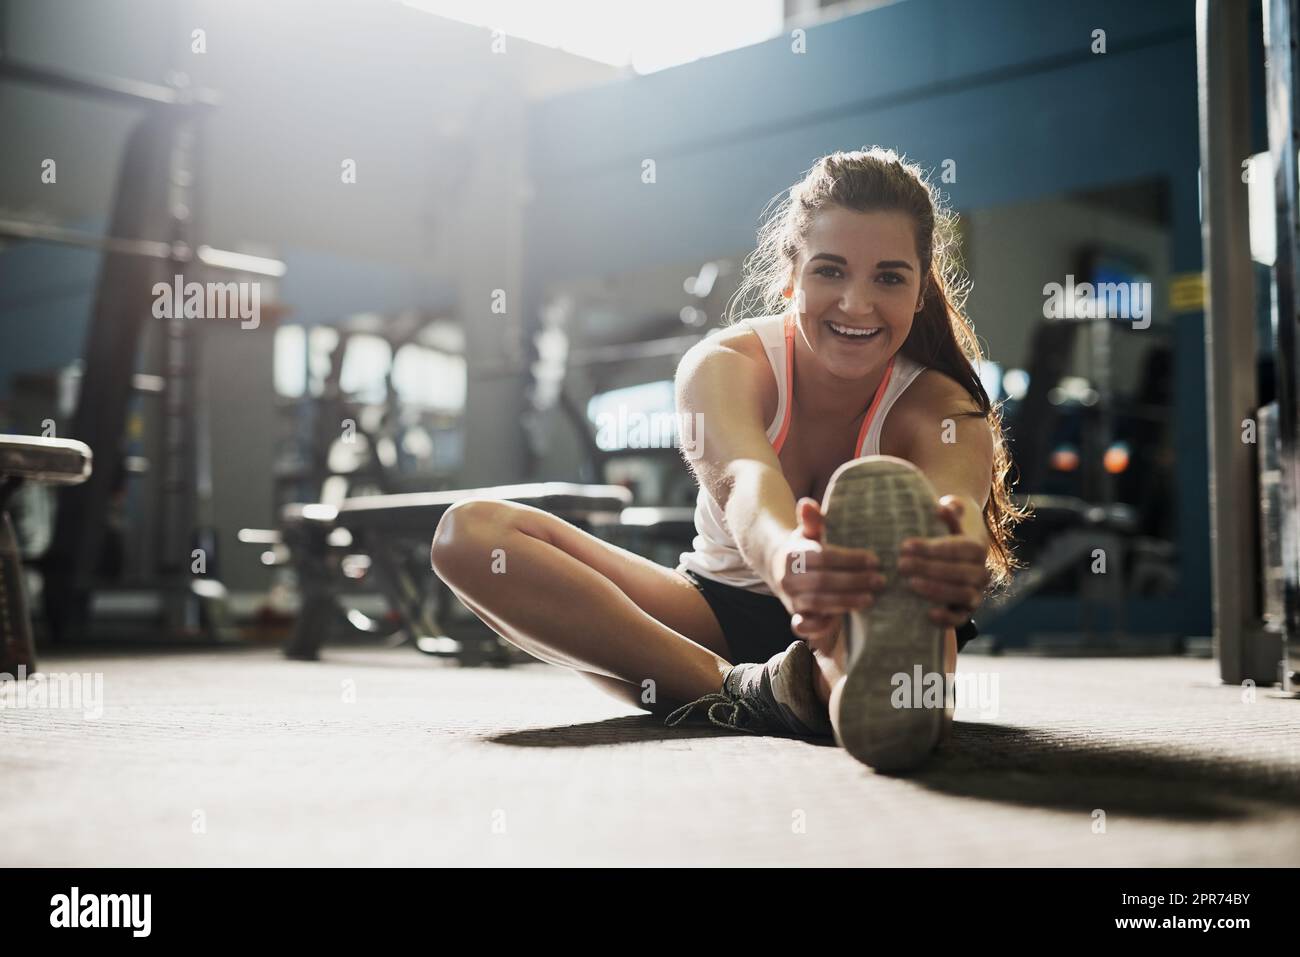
(1280, 38)
(1230, 349)
(180, 418)
(122, 303)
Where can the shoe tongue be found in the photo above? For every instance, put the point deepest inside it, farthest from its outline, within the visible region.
(739, 681)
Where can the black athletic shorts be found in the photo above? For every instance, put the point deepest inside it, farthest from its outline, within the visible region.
(758, 626)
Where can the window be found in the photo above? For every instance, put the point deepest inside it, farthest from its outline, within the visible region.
(429, 379)
(365, 368)
(290, 361)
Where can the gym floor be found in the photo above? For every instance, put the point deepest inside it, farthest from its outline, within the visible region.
(241, 757)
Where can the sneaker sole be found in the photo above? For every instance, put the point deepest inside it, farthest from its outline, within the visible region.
(876, 502)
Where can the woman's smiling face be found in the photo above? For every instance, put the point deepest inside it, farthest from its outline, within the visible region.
(858, 272)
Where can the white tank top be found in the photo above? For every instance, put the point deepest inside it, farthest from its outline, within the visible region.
(714, 553)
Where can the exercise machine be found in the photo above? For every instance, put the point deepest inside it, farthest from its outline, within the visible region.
(27, 459)
(151, 239)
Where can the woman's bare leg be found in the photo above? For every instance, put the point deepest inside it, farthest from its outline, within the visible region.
(641, 631)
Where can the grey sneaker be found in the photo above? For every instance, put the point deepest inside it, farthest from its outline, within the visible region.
(875, 502)
(778, 697)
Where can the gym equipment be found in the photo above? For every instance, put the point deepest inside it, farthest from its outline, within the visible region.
(318, 462)
(1244, 647)
(1064, 535)
(1271, 559)
(1282, 36)
(372, 543)
(1112, 506)
(219, 259)
(27, 459)
(149, 241)
(382, 541)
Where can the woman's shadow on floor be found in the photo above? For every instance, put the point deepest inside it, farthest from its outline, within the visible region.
(1023, 766)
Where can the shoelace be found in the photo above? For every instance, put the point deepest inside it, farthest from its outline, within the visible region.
(732, 719)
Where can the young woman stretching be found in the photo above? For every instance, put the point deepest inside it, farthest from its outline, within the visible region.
(853, 504)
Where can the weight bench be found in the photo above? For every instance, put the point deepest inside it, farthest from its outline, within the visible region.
(385, 539)
(26, 458)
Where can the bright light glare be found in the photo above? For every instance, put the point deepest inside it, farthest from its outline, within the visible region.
(1262, 216)
(646, 36)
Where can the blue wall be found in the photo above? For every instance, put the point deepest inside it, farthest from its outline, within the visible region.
(45, 297)
(1006, 88)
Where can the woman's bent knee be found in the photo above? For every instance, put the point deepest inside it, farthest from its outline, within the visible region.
(463, 532)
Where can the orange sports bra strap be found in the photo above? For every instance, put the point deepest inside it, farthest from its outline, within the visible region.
(875, 404)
